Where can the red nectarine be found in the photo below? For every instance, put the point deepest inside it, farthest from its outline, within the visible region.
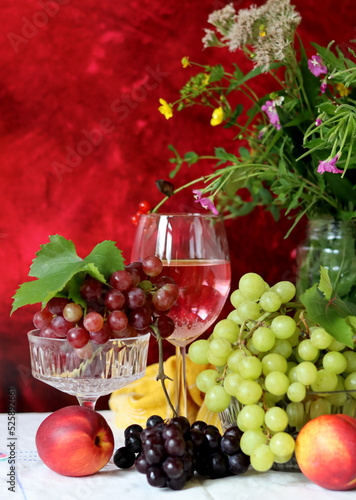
(326, 451)
(75, 441)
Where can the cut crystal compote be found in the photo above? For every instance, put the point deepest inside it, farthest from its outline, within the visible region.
(104, 369)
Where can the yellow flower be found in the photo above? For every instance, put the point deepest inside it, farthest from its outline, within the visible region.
(205, 80)
(165, 109)
(343, 91)
(185, 62)
(217, 117)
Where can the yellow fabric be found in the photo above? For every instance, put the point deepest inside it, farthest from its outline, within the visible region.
(145, 397)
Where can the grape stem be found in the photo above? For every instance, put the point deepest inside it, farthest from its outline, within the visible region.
(161, 375)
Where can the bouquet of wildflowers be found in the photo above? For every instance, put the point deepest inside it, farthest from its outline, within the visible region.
(301, 148)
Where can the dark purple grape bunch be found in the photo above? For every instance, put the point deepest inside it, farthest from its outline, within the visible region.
(135, 302)
(169, 453)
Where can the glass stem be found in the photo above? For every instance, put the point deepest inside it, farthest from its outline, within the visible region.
(87, 402)
(181, 382)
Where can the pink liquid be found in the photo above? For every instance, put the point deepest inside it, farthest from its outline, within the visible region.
(203, 289)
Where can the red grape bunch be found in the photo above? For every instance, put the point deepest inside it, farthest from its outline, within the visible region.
(169, 453)
(134, 302)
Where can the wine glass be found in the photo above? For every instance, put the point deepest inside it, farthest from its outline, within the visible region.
(104, 369)
(194, 251)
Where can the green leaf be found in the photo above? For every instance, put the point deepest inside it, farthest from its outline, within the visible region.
(328, 314)
(45, 288)
(234, 116)
(191, 157)
(325, 285)
(107, 259)
(53, 255)
(216, 74)
(223, 155)
(329, 108)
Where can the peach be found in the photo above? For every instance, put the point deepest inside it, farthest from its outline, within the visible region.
(326, 451)
(75, 441)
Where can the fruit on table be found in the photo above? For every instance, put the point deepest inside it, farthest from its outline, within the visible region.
(326, 451)
(75, 441)
(269, 357)
(170, 452)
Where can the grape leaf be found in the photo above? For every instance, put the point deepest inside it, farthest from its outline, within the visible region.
(107, 258)
(46, 287)
(52, 256)
(325, 285)
(328, 314)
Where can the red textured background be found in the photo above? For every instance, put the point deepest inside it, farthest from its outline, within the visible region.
(87, 63)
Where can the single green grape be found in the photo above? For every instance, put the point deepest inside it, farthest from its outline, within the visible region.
(282, 444)
(350, 383)
(206, 379)
(325, 381)
(335, 361)
(340, 397)
(263, 339)
(276, 419)
(283, 326)
(220, 348)
(274, 362)
(250, 367)
(227, 329)
(232, 382)
(319, 407)
(277, 383)
(270, 301)
(307, 351)
(306, 373)
(336, 345)
(350, 360)
(248, 310)
(252, 286)
(251, 417)
(217, 399)
(262, 458)
(296, 415)
(285, 289)
(282, 347)
(216, 360)
(249, 392)
(236, 298)
(295, 338)
(198, 352)
(296, 392)
(320, 338)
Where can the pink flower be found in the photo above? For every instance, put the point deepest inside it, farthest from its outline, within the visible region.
(323, 87)
(270, 109)
(329, 166)
(316, 67)
(318, 122)
(205, 202)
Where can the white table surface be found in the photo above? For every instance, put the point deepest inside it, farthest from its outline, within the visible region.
(34, 481)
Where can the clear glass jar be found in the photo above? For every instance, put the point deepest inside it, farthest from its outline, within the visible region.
(331, 244)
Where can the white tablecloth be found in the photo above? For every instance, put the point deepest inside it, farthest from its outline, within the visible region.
(34, 481)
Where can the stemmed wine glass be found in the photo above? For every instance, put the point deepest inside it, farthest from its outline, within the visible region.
(106, 367)
(194, 251)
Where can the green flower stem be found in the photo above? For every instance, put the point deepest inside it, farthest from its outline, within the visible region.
(177, 191)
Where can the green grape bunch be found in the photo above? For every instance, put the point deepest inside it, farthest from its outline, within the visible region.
(278, 365)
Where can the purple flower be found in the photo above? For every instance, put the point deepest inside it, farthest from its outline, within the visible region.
(323, 87)
(316, 67)
(329, 166)
(318, 122)
(205, 202)
(270, 109)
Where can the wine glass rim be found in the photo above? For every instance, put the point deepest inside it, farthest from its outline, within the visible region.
(183, 214)
(35, 334)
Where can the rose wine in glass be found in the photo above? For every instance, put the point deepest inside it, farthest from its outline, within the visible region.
(194, 252)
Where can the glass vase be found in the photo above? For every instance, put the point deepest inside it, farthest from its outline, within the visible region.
(314, 404)
(332, 244)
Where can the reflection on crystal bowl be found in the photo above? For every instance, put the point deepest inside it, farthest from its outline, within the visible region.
(333, 402)
(108, 367)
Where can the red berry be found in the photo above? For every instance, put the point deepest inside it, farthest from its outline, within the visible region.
(144, 206)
